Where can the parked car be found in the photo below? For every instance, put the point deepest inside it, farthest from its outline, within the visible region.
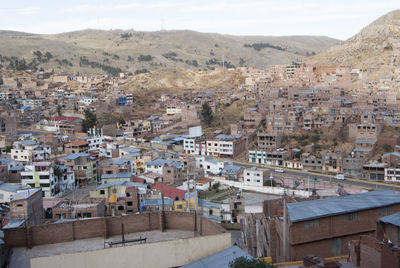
(339, 177)
(280, 170)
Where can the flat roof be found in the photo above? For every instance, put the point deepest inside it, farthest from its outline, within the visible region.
(314, 209)
(220, 259)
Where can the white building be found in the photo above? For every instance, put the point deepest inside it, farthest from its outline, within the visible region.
(88, 100)
(209, 164)
(255, 176)
(392, 174)
(30, 151)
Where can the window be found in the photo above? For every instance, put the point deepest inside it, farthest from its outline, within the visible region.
(385, 210)
(20, 205)
(120, 207)
(102, 192)
(129, 203)
(350, 216)
(179, 206)
(311, 224)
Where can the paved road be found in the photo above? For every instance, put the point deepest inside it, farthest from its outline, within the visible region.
(320, 177)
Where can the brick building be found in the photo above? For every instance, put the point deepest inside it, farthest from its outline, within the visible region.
(27, 205)
(325, 226)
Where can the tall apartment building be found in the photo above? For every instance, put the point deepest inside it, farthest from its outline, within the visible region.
(41, 175)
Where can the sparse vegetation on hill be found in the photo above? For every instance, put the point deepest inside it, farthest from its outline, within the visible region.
(259, 46)
(372, 46)
(123, 50)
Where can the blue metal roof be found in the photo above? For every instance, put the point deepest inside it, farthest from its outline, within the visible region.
(117, 176)
(13, 223)
(220, 259)
(157, 202)
(314, 209)
(130, 149)
(392, 219)
(75, 156)
(10, 187)
(231, 169)
(208, 204)
(24, 194)
(389, 154)
(226, 137)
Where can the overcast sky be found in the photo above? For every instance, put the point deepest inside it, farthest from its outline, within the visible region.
(339, 19)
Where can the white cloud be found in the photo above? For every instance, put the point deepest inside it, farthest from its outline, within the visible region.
(28, 11)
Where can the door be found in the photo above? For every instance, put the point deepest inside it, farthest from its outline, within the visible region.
(337, 246)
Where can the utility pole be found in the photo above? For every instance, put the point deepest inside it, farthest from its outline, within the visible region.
(284, 226)
(187, 179)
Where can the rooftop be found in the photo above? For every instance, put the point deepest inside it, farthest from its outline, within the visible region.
(392, 219)
(220, 259)
(24, 194)
(75, 156)
(309, 210)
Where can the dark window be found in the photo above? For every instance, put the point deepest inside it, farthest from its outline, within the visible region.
(102, 192)
(311, 224)
(350, 216)
(129, 203)
(120, 207)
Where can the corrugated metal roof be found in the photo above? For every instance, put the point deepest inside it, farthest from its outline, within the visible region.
(75, 156)
(13, 223)
(392, 219)
(24, 194)
(117, 176)
(10, 187)
(308, 210)
(220, 259)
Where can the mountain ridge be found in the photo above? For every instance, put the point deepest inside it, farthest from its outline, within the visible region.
(168, 49)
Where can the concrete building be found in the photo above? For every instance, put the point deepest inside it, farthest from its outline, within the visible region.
(41, 175)
(255, 177)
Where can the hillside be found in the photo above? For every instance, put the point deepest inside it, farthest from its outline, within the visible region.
(179, 80)
(375, 45)
(93, 51)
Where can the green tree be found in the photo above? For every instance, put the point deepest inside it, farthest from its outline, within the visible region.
(59, 110)
(207, 115)
(89, 121)
(243, 262)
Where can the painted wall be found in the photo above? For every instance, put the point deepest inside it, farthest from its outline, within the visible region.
(169, 254)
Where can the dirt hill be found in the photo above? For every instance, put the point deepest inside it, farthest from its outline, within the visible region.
(378, 44)
(179, 80)
(95, 51)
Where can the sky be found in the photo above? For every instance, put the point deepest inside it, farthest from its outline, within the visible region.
(339, 19)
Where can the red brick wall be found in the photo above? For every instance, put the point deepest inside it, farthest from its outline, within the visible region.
(68, 231)
(15, 237)
(88, 228)
(179, 220)
(51, 233)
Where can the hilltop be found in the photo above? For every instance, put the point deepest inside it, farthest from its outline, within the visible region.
(375, 45)
(95, 51)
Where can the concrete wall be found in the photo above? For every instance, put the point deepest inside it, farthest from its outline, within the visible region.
(264, 189)
(163, 254)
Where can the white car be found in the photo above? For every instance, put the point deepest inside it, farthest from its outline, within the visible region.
(339, 177)
(280, 170)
